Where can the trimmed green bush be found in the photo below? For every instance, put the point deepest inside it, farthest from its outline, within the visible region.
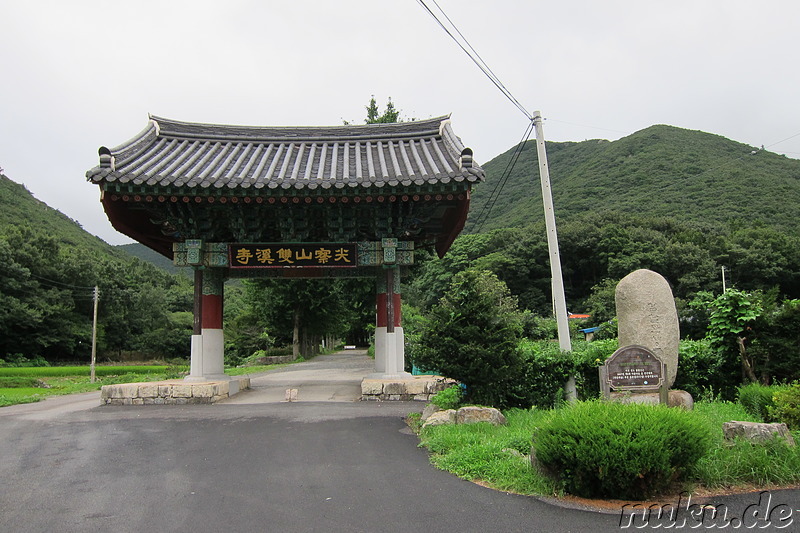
(613, 450)
(786, 406)
(546, 370)
(704, 370)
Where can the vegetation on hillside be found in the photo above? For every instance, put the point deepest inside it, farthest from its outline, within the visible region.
(682, 203)
(659, 171)
(49, 267)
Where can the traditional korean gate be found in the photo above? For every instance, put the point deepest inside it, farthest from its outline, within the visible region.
(240, 201)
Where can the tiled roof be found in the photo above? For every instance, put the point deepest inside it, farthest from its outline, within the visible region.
(208, 156)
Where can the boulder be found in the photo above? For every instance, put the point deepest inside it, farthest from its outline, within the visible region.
(428, 411)
(440, 418)
(473, 414)
(756, 432)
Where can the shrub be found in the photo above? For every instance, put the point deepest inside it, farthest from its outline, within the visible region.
(449, 398)
(786, 406)
(757, 399)
(607, 449)
(547, 368)
(702, 368)
(779, 340)
(17, 360)
(545, 371)
(588, 357)
(472, 336)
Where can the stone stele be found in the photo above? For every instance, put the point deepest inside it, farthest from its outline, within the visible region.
(647, 317)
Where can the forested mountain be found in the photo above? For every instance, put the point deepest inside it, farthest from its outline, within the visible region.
(659, 171)
(20, 209)
(49, 267)
(146, 254)
(683, 203)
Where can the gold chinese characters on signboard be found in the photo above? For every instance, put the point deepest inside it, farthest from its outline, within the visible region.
(283, 255)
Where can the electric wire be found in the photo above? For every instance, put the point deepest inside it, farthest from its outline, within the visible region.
(474, 56)
(60, 283)
(487, 207)
(784, 140)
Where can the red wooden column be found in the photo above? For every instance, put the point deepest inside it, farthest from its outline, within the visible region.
(208, 344)
(389, 339)
(196, 366)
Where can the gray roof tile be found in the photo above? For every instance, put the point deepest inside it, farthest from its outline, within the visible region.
(210, 156)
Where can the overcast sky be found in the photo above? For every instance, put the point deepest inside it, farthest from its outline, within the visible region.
(80, 74)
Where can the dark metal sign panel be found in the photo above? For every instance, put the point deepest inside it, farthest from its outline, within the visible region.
(634, 367)
(301, 255)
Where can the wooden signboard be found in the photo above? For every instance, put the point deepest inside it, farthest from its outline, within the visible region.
(290, 255)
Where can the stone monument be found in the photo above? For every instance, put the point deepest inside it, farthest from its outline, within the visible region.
(647, 317)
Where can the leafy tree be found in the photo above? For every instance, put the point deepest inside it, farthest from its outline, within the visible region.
(303, 312)
(731, 315)
(389, 115)
(777, 342)
(472, 335)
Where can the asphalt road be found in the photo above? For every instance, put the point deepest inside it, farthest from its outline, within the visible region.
(70, 465)
(329, 378)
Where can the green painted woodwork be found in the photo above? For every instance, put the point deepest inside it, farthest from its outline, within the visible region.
(213, 280)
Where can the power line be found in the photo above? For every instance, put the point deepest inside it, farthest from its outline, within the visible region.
(483, 215)
(473, 55)
(786, 139)
(67, 285)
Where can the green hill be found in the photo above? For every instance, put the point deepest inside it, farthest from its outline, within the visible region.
(658, 171)
(49, 268)
(146, 254)
(21, 209)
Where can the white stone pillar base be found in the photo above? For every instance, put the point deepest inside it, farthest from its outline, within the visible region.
(389, 354)
(208, 361)
(380, 349)
(196, 366)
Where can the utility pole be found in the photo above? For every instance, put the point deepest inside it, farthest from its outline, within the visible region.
(559, 300)
(724, 288)
(94, 332)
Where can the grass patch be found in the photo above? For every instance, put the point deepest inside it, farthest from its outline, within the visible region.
(494, 455)
(11, 393)
(16, 382)
(17, 395)
(498, 456)
(743, 463)
(53, 371)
